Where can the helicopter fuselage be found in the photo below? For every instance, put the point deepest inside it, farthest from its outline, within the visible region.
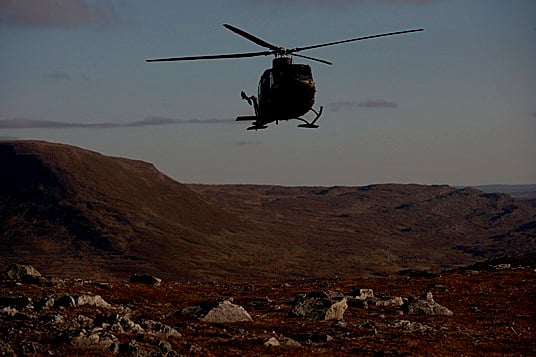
(286, 91)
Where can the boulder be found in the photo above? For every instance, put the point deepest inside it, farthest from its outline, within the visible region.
(319, 305)
(145, 279)
(425, 305)
(361, 294)
(226, 312)
(412, 327)
(272, 342)
(389, 301)
(159, 329)
(91, 300)
(19, 271)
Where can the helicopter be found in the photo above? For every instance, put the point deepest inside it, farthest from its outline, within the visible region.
(287, 90)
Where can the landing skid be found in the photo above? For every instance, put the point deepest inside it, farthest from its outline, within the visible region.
(252, 100)
(258, 125)
(311, 125)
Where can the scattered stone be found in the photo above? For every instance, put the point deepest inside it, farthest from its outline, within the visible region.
(157, 328)
(310, 338)
(287, 341)
(426, 305)
(19, 271)
(9, 311)
(15, 314)
(107, 286)
(389, 301)
(413, 327)
(272, 342)
(118, 324)
(64, 301)
(145, 279)
(95, 340)
(90, 300)
(12, 301)
(227, 312)
(369, 326)
(5, 349)
(46, 302)
(475, 309)
(502, 266)
(361, 294)
(319, 306)
(413, 273)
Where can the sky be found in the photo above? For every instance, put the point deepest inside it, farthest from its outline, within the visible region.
(453, 104)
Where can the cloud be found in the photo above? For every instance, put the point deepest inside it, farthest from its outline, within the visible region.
(8, 137)
(57, 76)
(350, 105)
(247, 143)
(378, 103)
(57, 13)
(166, 121)
(533, 114)
(338, 3)
(25, 123)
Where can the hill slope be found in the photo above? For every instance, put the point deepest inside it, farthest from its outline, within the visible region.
(77, 213)
(383, 227)
(73, 209)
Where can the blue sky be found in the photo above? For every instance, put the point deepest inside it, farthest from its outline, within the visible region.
(454, 104)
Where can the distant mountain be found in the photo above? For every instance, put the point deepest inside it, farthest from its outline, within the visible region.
(74, 212)
(526, 192)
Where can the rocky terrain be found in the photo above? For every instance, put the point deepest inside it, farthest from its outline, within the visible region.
(484, 309)
(80, 214)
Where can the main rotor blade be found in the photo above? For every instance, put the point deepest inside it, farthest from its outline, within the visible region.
(252, 38)
(230, 55)
(313, 59)
(297, 49)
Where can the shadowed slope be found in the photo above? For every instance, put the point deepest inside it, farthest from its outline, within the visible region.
(77, 209)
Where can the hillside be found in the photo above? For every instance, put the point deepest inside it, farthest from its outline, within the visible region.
(76, 213)
(383, 228)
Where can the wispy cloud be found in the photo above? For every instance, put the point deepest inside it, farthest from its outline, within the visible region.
(8, 137)
(247, 143)
(58, 13)
(335, 3)
(370, 104)
(25, 123)
(166, 121)
(57, 76)
(378, 103)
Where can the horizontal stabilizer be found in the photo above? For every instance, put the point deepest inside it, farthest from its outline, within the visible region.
(247, 118)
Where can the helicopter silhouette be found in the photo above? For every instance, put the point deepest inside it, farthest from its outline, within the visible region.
(287, 90)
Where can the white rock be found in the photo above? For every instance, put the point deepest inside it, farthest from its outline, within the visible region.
(227, 312)
(272, 342)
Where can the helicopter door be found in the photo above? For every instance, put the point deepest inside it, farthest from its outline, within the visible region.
(265, 83)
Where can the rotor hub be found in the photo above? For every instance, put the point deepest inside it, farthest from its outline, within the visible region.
(281, 61)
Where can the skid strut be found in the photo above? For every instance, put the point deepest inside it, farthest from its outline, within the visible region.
(311, 125)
